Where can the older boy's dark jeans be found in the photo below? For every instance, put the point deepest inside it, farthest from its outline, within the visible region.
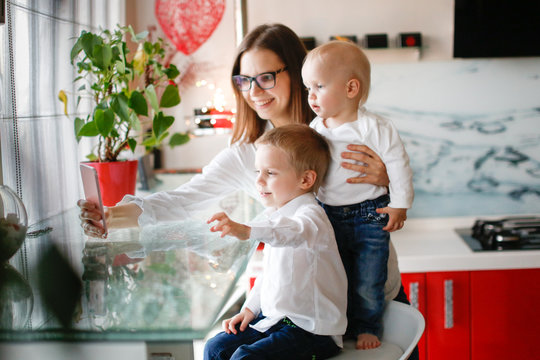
(284, 340)
(364, 247)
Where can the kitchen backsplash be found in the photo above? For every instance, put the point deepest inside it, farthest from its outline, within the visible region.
(472, 131)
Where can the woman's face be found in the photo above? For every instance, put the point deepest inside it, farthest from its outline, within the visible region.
(271, 104)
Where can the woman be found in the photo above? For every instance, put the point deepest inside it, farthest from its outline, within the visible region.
(270, 93)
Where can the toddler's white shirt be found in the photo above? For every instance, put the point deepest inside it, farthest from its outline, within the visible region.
(382, 137)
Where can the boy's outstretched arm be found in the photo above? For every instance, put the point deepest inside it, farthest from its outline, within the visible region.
(396, 218)
(229, 227)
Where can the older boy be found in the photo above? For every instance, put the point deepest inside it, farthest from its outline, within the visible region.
(337, 76)
(297, 307)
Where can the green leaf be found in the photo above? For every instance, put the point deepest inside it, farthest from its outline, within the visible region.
(170, 97)
(102, 56)
(134, 121)
(76, 49)
(178, 139)
(138, 103)
(140, 36)
(88, 42)
(150, 92)
(162, 137)
(172, 72)
(132, 144)
(161, 123)
(120, 67)
(79, 123)
(149, 142)
(104, 120)
(148, 47)
(89, 129)
(119, 104)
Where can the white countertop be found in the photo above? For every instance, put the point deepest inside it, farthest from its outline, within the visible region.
(431, 244)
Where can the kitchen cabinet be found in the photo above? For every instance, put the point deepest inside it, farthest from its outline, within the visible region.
(443, 299)
(506, 316)
(477, 314)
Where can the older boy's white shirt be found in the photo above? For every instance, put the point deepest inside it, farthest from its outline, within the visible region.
(382, 137)
(303, 277)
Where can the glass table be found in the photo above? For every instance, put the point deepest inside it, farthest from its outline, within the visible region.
(165, 282)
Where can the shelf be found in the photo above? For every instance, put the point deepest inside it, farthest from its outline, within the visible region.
(393, 55)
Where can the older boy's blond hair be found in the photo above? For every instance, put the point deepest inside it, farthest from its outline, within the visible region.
(348, 57)
(305, 147)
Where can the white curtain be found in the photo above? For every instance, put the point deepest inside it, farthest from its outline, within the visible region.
(39, 153)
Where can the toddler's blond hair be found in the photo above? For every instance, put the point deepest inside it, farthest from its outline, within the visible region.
(347, 57)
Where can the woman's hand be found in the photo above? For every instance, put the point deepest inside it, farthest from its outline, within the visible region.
(90, 217)
(244, 318)
(372, 170)
(229, 227)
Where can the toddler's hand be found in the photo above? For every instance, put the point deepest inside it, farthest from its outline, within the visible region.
(229, 227)
(396, 219)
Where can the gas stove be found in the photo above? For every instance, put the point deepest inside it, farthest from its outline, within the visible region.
(511, 233)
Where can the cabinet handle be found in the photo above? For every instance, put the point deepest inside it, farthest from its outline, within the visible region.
(413, 294)
(448, 304)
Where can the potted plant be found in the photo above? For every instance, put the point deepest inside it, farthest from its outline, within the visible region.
(128, 95)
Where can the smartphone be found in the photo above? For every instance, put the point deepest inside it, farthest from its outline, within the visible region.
(91, 190)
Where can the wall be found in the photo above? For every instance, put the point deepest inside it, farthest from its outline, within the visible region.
(211, 62)
(434, 19)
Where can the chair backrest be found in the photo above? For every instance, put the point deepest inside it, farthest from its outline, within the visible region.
(403, 327)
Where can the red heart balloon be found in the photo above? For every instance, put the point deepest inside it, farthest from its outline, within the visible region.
(189, 23)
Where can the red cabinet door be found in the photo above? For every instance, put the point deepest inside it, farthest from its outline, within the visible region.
(505, 308)
(448, 315)
(415, 288)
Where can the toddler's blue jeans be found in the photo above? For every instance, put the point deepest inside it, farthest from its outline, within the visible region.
(284, 340)
(364, 247)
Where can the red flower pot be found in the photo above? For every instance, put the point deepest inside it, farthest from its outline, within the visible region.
(116, 179)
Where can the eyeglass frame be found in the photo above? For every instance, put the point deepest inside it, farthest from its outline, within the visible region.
(254, 78)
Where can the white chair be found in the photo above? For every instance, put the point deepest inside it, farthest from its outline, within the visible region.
(403, 327)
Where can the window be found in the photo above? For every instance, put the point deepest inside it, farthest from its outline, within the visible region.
(39, 153)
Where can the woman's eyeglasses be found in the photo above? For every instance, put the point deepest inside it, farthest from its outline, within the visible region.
(265, 81)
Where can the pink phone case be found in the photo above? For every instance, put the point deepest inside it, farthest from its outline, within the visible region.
(91, 190)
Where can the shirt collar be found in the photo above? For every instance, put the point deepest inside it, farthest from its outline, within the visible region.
(289, 209)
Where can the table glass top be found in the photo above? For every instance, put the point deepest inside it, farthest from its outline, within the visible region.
(162, 282)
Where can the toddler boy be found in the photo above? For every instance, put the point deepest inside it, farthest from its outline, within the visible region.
(337, 77)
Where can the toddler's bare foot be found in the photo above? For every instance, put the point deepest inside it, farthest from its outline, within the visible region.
(367, 341)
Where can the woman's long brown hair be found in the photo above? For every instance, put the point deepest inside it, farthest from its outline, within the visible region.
(289, 48)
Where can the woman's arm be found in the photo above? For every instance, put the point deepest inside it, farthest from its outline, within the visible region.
(372, 170)
(232, 169)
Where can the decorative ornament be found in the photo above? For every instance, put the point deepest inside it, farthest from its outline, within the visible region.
(189, 23)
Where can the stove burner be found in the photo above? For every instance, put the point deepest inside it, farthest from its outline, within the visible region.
(512, 233)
